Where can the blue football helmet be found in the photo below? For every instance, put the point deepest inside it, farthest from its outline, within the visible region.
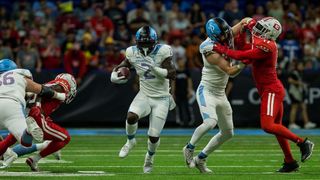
(218, 29)
(7, 65)
(146, 39)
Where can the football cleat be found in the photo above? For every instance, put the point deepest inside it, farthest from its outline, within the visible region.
(188, 155)
(34, 129)
(289, 167)
(148, 164)
(57, 155)
(33, 164)
(8, 158)
(306, 148)
(201, 165)
(127, 148)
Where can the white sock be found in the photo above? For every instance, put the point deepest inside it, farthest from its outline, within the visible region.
(43, 145)
(202, 130)
(217, 140)
(152, 147)
(36, 157)
(131, 130)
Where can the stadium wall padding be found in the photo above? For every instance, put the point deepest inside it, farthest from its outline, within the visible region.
(99, 103)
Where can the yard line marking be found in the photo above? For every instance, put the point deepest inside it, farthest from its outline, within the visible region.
(180, 151)
(174, 155)
(182, 166)
(43, 161)
(50, 174)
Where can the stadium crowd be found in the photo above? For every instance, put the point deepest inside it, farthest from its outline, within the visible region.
(86, 35)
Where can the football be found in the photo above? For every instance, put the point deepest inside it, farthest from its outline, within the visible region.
(124, 71)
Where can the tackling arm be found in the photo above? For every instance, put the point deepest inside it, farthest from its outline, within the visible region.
(218, 60)
(251, 54)
(43, 91)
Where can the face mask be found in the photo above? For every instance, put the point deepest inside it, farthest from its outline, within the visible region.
(145, 51)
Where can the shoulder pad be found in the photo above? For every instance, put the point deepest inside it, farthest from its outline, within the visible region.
(130, 51)
(24, 72)
(206, 46)
(265, 45)
(164, 50)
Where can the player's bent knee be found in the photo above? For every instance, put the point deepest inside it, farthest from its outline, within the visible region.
(132, 118)
(210, 123)
(227, 134)
(154, 139)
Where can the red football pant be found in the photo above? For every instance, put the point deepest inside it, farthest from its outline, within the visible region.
(271, 122)
(7, 142)
(59, 136)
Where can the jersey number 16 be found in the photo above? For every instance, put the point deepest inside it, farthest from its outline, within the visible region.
(6, 79)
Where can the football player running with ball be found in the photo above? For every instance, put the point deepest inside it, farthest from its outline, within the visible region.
(211, 97)
(153, 64)
(262, 53)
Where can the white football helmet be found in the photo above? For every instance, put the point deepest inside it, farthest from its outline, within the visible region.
(72, 92)
(267, 28)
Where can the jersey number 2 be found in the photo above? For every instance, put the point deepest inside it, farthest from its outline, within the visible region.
(6, 79)
(147, 74)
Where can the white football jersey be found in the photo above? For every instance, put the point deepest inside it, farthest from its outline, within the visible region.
(150, 84)
(212, 76)
(13, 85)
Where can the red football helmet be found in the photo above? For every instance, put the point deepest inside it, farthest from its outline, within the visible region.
(69, 84)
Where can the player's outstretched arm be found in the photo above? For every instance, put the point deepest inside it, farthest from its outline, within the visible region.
(218, 60)
(239, 27)
(251, 54)
(43, 91)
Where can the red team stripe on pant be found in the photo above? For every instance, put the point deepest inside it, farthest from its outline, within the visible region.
(270, 104)
(53, 132)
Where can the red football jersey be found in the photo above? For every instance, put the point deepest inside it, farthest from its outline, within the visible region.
(263, 55)
(48, 106)
(264, 69)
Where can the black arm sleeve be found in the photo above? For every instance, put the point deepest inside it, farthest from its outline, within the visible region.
(46, 92)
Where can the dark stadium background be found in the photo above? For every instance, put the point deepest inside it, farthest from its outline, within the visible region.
(44, 36)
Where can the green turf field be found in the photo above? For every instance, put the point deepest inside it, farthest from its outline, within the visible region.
(96, 157)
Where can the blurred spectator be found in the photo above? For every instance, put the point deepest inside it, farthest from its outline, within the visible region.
(161, 26)
(226, 7)
(178, 51)
(276, 10)
(307, 32)
(194, 59)
(5, 51)
(68, 42)
(138, 13)
(182, 89)
(180, 23)
(87, 29)
(259, 13)
(90, 50)
(116, 12)
(67, 21)
(250, 10)
(291, 47)
(158, 9)
(28, 57)
(123, 35)
(234, 13)
(197, 18)
(297, 93)
(75, 62)
(293, 13)
(172, 14)
(10, 38)
(113, 57)
(42, 5)
(102, 24)
(84, 11)
(137, 18)
(50, 53)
